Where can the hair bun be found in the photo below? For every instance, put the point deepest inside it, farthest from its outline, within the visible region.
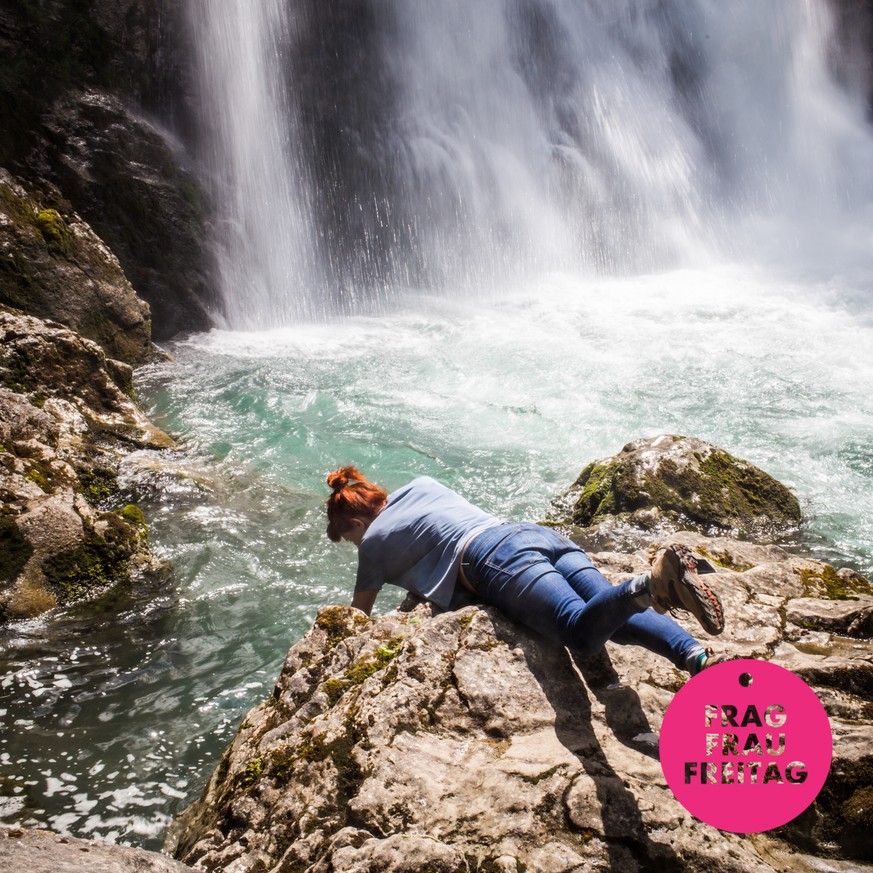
(340, 478)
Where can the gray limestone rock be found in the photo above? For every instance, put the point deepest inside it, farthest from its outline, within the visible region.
(460, 741)
(669, 483)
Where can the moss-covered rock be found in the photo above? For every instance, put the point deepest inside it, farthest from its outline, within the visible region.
(66, 529)
(683, 482)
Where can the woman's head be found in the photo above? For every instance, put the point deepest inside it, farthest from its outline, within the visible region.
(354, 500)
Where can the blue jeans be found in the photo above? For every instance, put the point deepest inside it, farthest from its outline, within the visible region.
(543, 580)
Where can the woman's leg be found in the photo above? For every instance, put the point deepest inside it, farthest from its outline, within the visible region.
(513, 568)
(655, 632)
(547, 583)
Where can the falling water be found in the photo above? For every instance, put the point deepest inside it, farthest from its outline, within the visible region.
(360, 150)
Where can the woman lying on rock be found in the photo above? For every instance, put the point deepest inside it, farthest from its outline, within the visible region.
(428, 539)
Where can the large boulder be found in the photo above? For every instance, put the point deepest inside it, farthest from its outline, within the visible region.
(668, 483)
(66, 420)
(52, 265)
(460, 741)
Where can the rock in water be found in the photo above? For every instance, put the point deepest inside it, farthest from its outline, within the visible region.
(460, 741)
(677, 483)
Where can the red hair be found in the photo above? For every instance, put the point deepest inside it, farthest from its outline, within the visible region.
(353, 497)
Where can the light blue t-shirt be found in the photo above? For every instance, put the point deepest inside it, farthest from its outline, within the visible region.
(416, 541)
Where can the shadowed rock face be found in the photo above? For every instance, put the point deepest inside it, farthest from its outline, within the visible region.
(459, 741)
(52, 265)
(121, 173)
(670, 483)
(88, 93)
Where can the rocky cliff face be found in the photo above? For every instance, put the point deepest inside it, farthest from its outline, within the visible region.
(87, 95)
(66, 417)
(461, 742)
(53, 265)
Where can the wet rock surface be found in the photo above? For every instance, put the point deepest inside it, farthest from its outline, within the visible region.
(129, 180)
(66, 420)
(460, 741)
(95, 99)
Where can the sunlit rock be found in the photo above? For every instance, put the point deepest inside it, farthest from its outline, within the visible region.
(460, 741)
(668, 483)
(66, 531)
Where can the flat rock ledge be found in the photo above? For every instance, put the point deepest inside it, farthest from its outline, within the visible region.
(34, 851)
(460, 742)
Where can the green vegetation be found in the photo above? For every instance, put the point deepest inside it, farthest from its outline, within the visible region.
(827, 583)
(98, 484)
(134, 516)
(339, 622)
(55, 232)
(282, 763)
(723, 559)
(362, 670)
(334, 689)
(38, 478)
(252, 773)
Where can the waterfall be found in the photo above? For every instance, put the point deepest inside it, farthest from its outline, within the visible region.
(357, 150)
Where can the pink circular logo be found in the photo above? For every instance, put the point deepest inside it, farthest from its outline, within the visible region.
(745, 746)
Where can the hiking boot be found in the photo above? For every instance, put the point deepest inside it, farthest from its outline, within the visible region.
(710, 659)
(674, 584)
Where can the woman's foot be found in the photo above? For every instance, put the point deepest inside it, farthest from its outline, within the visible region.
(674, 584)
(708, 658)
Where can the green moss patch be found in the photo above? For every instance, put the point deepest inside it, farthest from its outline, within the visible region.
(362, 670)
(829, 584)
(339, 624)
(252, 773)
(55, 232)
(98, 485)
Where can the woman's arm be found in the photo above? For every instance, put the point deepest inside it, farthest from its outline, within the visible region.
(364, 600)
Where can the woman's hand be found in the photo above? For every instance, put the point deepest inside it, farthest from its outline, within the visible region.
(364, 601)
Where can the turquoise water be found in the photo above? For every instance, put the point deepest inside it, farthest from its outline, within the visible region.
(113, 723)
